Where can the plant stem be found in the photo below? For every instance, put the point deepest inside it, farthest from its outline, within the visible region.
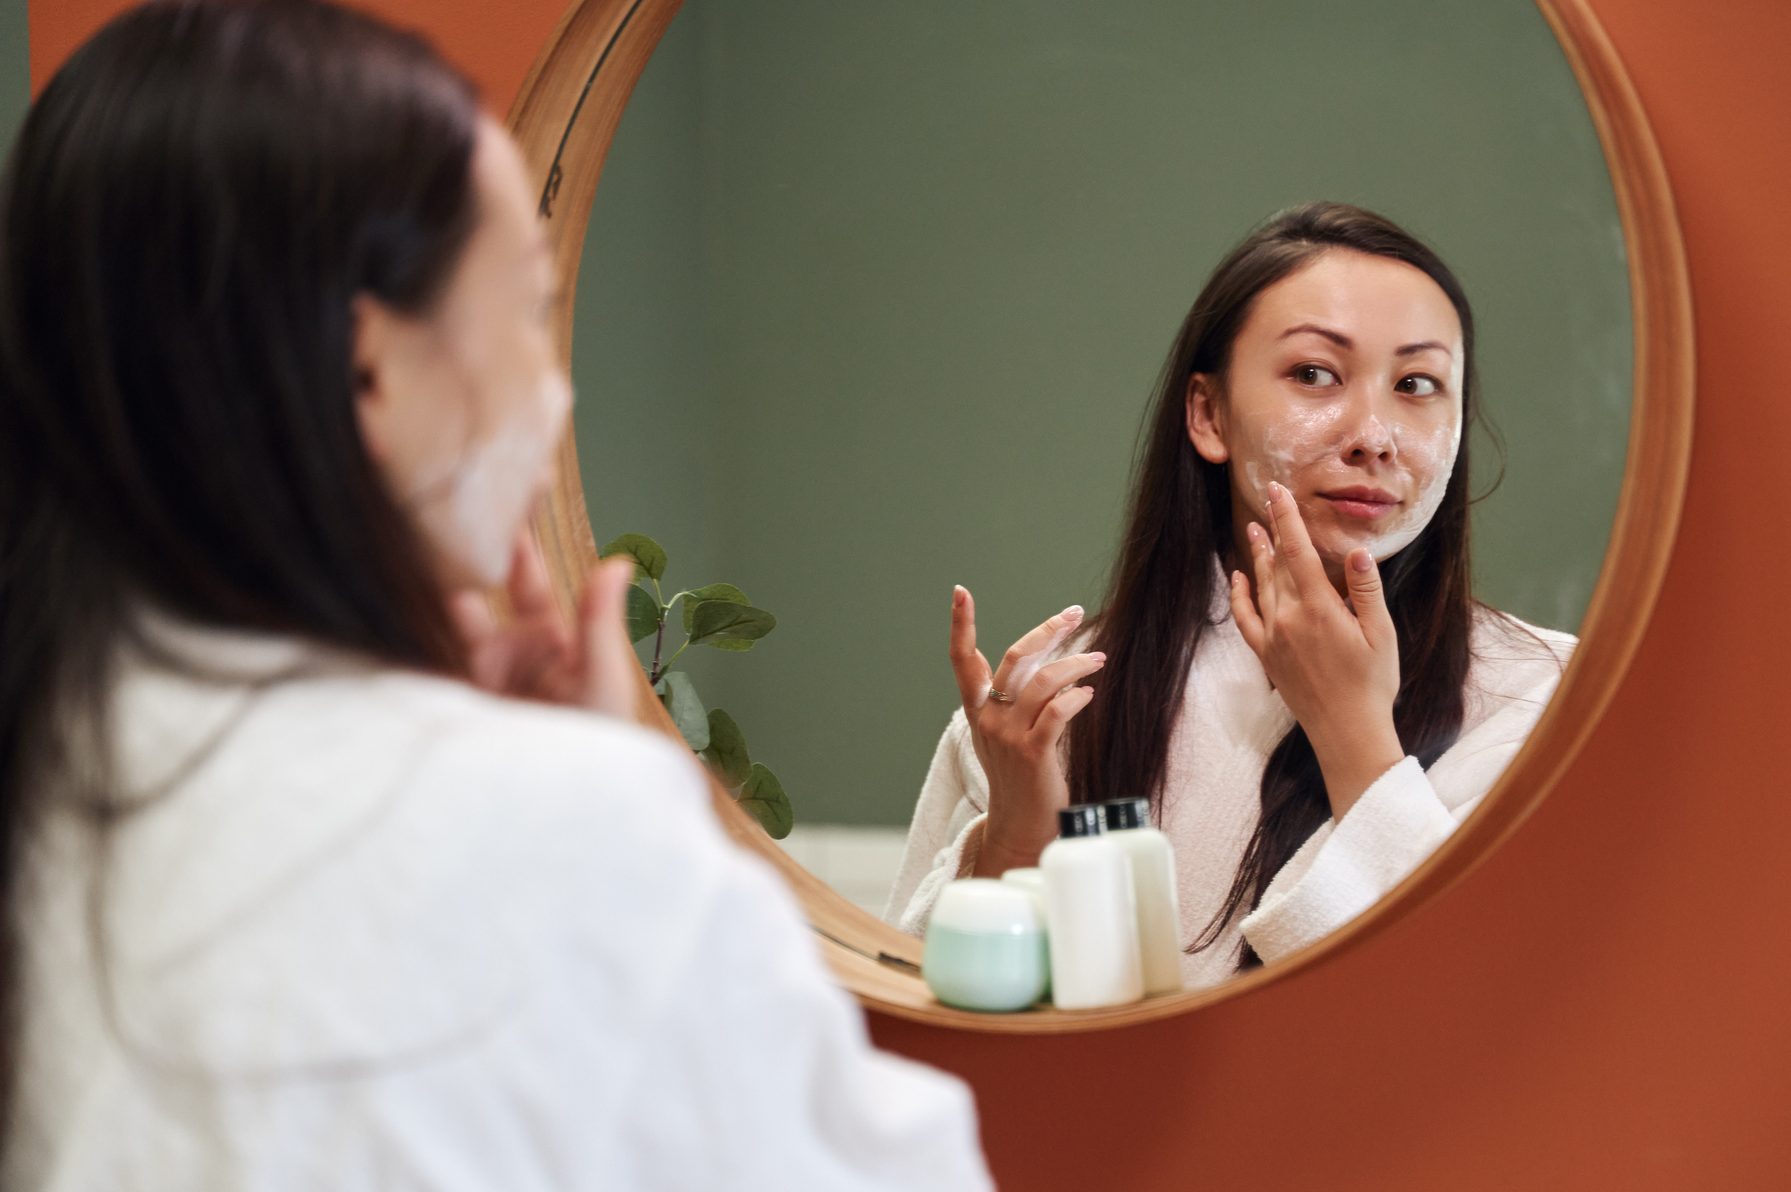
(658, 644)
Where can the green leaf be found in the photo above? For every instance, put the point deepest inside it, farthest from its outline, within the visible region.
(763, 795)
(680, 699)
(648, 555)
(726, 753)
(726, 593)
(717, 621)
(643, 614)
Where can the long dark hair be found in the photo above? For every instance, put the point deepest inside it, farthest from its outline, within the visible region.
(188, 212)
(1179, 519)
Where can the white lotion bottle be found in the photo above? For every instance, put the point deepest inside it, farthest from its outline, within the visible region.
(1089, 915)
(1127, 824)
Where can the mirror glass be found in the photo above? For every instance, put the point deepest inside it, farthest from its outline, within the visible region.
(874, 298)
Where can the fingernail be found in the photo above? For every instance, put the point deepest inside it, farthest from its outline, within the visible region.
(1362, 561)
(1275, 491)
(1098, 656)
(1237, 577)
(1075, 610)
(1253, 532)
(957, 594)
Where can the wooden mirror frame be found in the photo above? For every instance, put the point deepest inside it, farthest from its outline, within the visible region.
(579, 85)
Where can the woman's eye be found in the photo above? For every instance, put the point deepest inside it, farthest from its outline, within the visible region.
(1314, 375)
(1419, 385)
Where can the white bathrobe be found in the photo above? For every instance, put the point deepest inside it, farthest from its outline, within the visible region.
(375, 930)
(1231, 721)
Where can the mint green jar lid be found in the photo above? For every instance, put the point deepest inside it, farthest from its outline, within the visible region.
(985, 947)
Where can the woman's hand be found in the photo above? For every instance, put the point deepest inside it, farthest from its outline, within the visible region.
(1017, 742)
(538, 655)
(1335, 664)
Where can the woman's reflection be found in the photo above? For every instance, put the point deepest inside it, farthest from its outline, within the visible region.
(1290, 662)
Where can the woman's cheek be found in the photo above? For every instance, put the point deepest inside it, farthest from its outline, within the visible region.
(1430, 457)
(1283, 449)
(477, 520)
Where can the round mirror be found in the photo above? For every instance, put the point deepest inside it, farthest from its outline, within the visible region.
(875, 298)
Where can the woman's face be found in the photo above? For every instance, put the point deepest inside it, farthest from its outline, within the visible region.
(1345, 386)
(463, 406)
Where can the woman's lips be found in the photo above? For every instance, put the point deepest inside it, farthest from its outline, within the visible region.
(1364, 504)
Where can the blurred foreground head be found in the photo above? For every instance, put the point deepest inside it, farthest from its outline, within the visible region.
(197, 207)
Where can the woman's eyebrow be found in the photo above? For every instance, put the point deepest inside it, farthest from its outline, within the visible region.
(1337, 337)
(1349, 345)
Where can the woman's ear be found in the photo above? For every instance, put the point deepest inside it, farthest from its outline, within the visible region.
(369, 358)
(1206, 418)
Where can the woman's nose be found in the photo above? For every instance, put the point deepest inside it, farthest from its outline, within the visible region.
(1369, 437)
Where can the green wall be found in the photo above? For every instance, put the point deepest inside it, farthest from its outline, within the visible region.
(15, 69)
(643, 336)
(874, 296)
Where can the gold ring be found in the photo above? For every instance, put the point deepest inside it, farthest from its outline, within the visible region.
(1000, 697)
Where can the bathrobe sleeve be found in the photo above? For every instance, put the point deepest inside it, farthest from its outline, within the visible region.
(681, 1028)
(946, 832)
(764, 1077)
(1348, 865)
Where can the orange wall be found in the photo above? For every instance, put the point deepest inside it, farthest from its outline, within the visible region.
(1607, 1002)
(493, 40)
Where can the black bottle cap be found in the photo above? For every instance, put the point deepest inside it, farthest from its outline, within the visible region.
(1084, 819)
(1126, 813)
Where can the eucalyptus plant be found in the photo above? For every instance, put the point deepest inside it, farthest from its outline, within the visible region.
(721, 617)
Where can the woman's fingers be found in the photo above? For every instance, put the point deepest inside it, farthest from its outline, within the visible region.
(1262, 566)
(1243, 611)
(606, 656)
(471, 614)
(1049, 682)
(536, 634)
(1368, 600)
(531, 592)
(1056, 715)
(537, 654)
(1025, 656)
(486, 653)
(1295, 557)
(968, 665)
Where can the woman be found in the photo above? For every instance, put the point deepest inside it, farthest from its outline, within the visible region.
(290, 902)
(1290, 663)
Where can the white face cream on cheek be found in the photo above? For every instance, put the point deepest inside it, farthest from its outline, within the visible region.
(475, 520)
(1280, 450)
(1428, 456)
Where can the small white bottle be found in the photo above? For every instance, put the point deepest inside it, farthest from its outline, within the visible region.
(1127, 824)
(1033, 882)
(1089, 915)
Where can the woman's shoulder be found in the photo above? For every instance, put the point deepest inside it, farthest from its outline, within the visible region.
(1514, 659)
(1505, 636)
(540, 768)
(311, 714)
(298, 732)
(527, 782)
(399, 758)
(478, 729)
